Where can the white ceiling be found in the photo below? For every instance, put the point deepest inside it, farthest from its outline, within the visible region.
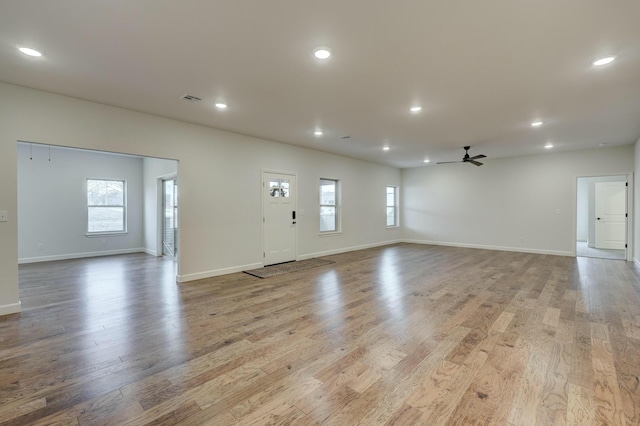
(481, 70)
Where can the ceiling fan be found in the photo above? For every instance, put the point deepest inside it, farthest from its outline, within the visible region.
(467, 159)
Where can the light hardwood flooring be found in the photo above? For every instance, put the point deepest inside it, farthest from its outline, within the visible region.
(399, 335)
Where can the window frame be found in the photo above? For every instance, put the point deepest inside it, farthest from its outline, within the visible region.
(396, 211)
(90, 206)
(335, 206)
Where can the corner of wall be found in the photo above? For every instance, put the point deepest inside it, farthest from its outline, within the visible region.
(13, 308)
(636, 201)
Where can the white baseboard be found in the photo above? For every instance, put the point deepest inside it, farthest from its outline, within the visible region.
(216, 272)
(347, 249)
(498, 248)
(636, 262)
(13, 308)
(79, 255)
(151, 252)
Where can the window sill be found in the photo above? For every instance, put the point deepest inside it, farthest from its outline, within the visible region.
(331, 234)
(105, 234)
(393, 227)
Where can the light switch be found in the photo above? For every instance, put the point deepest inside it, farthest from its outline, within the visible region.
(3, 216)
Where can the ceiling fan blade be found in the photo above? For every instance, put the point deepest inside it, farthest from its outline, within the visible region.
(474, 162)
(477, 157)
(449, 162)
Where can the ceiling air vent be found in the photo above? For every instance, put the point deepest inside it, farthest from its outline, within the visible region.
(190, 98)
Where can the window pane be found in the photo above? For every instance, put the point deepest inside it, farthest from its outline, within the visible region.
(95, 192)
(391, 196)
(328, 192)
(106, 219)
(284, 191)
(327, 219)
(274, 187)
(391, 200)
(115, 193)
(391, 216)
(105, 192)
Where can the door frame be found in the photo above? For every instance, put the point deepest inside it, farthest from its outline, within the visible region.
(630, 223)
(263, 171)
(160, 215)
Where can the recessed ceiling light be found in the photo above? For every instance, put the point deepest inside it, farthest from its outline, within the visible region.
(322, 52)
(221, 105)
(603, 144)
(415, 109)
(537, 123)
(548, 145)
(29, 51)
(318, 133)
(604, 61)
(427, 161)
(385, 148)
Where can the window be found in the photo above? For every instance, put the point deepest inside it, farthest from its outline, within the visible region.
(329, 217)
(106, 206)
(279, 188)
(392, 206)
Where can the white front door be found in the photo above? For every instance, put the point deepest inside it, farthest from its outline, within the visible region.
(611, 212)
(279, 220)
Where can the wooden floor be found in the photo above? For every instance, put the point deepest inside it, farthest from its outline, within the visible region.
(403, 335)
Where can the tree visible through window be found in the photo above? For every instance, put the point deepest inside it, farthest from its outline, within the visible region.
(328, 205)
(105, 206)
(392, 206)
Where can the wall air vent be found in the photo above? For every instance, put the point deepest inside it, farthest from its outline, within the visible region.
(190, 98)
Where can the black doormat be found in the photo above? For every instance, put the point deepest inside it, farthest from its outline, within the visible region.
(285, 268)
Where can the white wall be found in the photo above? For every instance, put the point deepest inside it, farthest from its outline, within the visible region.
(52, 208)
(218, 234)
(522, 203)
(154, 169)
(582, 221)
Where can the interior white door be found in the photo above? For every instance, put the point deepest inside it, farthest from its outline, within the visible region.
(611, 212)
(279, 221)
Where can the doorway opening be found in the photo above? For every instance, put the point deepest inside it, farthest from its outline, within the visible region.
(602, 217)
(81, 203)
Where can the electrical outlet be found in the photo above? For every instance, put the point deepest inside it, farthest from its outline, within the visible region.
(3, 216)
(103, 241)
(40, 246)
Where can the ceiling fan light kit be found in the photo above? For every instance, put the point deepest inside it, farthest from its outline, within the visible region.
(467, 158)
